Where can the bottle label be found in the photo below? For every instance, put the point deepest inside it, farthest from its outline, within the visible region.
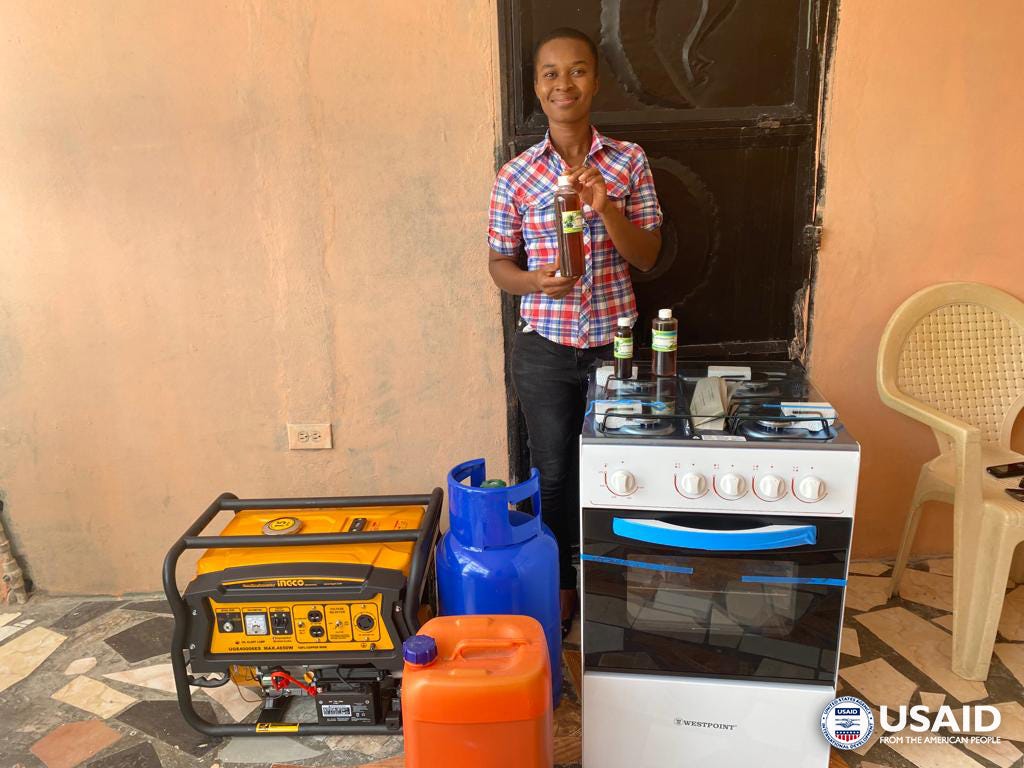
(572, 222)
(664, 341)
(623, 347)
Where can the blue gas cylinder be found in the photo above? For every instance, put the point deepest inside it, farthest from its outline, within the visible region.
(495, 559)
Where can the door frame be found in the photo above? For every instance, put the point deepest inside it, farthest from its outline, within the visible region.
(824, 25)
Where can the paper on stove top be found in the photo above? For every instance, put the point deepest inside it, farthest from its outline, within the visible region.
(818, 410)
(729, 372)
(601, 408)
(709, 403)
(605, 372)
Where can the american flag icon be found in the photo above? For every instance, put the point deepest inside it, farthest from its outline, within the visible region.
(848, 735)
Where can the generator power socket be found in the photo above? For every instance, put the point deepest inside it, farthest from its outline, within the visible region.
(303, 437)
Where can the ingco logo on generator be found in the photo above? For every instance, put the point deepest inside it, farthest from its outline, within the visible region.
(291, 582)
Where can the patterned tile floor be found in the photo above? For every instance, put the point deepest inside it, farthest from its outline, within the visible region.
(898, 652)
(85, 682)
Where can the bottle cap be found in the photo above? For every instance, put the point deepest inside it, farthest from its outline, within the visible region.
(624, 322)
(563, 181)
(664, 314)
(493, 483)
(420, 649)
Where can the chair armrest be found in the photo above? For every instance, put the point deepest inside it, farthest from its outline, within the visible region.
(966, 447)
(956, 429)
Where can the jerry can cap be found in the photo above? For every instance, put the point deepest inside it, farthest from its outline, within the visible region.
(420, 649)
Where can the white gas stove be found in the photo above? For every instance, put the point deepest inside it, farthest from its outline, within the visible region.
(714, 555)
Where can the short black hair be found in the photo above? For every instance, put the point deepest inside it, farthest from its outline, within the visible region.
(558, 34)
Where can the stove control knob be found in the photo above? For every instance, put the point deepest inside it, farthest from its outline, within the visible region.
(621, 482)
(731, 486)
(771, 488)
(811, 488)
(693, 485)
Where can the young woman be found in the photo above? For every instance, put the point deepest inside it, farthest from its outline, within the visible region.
(566, 322)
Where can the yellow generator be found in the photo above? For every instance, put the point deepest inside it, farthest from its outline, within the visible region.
(303, 598)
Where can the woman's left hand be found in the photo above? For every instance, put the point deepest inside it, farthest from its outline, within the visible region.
(590, 185)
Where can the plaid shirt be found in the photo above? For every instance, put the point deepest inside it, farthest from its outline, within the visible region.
(521, 213)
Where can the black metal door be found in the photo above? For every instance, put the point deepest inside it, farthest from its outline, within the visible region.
(724, 96)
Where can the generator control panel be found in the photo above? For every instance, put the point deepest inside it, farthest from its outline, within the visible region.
(307, 626)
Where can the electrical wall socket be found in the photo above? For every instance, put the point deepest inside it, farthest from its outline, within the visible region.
(303, 437)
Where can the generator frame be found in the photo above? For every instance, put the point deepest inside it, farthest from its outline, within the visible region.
(407, 622)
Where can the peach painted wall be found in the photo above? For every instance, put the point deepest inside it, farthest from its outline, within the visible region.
(925, 178)
(220, 217)
(217, 219)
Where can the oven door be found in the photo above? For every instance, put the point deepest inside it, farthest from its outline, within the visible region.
(745, 597)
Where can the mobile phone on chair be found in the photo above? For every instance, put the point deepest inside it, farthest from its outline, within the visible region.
(1002, 471)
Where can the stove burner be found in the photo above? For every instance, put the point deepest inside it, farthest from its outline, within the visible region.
(772, 426)
(650, 427)
(655, 419)
(762, 429)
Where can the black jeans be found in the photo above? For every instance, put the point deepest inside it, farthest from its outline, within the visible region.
(551, 383)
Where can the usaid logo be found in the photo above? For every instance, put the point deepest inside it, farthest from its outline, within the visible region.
(919, 725)
(847, 723)
(980, 718)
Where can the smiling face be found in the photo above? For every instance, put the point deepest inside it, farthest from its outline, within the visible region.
(565, 80)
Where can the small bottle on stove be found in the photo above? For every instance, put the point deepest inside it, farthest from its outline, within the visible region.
(623, 349)
(664, 333)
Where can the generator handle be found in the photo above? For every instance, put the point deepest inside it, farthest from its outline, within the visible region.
(171, 561)
(300, 539)
(234, 504)
(421, 555)
(181, 678)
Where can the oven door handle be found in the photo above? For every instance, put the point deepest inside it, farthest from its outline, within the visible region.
(681, 537)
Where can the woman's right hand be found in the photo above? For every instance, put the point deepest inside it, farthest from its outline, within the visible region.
(550, 284)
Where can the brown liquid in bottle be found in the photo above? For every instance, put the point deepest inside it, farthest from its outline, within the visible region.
(664, 340)
(623, 350)
(569, 222)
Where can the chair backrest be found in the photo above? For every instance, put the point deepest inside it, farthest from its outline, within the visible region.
(959, 347)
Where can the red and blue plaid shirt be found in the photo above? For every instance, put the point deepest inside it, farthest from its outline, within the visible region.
(521, 213)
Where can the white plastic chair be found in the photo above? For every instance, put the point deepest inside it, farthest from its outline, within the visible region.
(952, 357)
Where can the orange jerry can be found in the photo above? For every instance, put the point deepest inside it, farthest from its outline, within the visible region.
(476, 693)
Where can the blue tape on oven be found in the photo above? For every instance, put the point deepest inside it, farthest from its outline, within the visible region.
(793, 580)
(637, 564)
